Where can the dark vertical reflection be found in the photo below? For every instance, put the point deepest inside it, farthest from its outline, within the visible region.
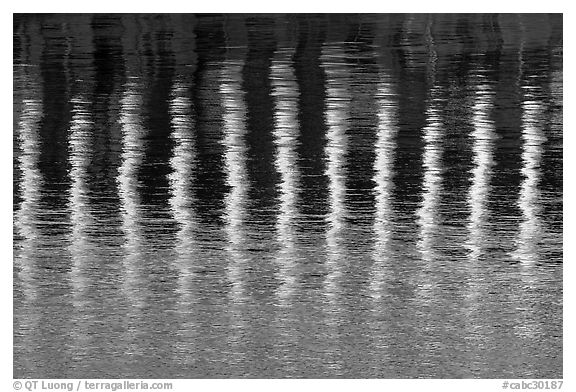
(94, 144)
(55, 121)
(208, 111)
(551, 181)
(259, 121)
(508, 123)
(456, 117)
(53, 221)
(411, 109)
(359, 160)
(155, 168)
(262, 176)
(102, 46)
(363, 120)
(159, 226)
(311, 79)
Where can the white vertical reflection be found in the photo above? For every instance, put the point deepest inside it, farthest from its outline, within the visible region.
(131, 157)
(432, 183)
(79, 145)
(181, 177)
(180, 183)
(28, 106)
(337, 116)
(383, 173)
(30, 183)
(533, 138)
(79, 140)
(483, 136)
(285, 94)
(528, 324)
(236, 172)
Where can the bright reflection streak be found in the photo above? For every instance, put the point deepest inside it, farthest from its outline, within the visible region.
(236, 173)
(533, 138)
(483, 137)
(337, 117)
(180, 184)
(432, 165)
(338, 100)
(383, 173)
(132, 156)
(80, 138)
(25, 218)
(181, 180)
(285, 94)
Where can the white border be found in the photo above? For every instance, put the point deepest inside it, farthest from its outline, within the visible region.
(228, 6)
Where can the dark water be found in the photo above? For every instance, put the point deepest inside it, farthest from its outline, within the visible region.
(288, 196)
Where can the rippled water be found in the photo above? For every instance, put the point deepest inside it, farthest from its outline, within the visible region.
(288, 196)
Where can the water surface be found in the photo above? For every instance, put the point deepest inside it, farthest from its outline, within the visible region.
(264, 196)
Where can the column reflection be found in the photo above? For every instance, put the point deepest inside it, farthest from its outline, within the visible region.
(133, 286)
(27, 233)
(529, 201)
(236, 174)
(25, 218)
(431, 188)
(285, 93)
(383, 173)
(483, 136)
(81, 219)
(338, 98)
(181, 181)
(235, 204)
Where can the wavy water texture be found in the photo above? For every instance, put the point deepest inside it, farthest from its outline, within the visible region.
(288, 196)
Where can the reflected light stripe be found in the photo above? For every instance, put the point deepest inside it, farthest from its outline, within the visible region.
(80, 137)
(383, 173)
(483, 136)
(181, 179)
(79, 145)
(25, 219)
(236, 173)
(432, 166)
(337, 117)
(533, 138)
(26, 314)
(338, 101)
(285, 94)
(131, 157)
(180, 184)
